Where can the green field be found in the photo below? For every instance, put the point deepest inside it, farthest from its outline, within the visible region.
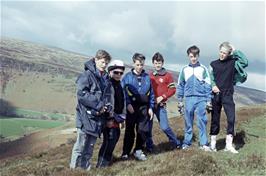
(12, 128)
(38, 115)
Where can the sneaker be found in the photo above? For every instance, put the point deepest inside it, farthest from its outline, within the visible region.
(213, 149)
(178, 147)
(139, 155)
(231, 149)
(213, 143)
(185, 146)
(205, 148)
(88, 168)
(124, 157)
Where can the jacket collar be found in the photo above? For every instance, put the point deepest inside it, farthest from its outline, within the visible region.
(160, 72)
(194, 65)
(90, 65)
(141, 74)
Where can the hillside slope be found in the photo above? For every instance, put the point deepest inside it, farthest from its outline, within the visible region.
(250, 141)
(42, 78)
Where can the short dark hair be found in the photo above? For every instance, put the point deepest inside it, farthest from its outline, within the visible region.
(158, 57)
(193, 50)
(139, 57)
(102, 54)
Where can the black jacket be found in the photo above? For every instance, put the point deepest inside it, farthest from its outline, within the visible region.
(93, 93)
(224, 72)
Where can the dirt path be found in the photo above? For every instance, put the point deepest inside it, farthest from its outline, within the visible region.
(36, 142)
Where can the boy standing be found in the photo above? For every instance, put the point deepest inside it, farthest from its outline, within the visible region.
(111, 131)
(195, 86)
(164, 87)
(93, 94)
(225, 73)
(140, 104)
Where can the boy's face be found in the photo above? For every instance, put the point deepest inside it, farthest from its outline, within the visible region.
(116, 74)
(158, 65)
(101, 64)
(223, 53)
(193, 59)
(138, 66)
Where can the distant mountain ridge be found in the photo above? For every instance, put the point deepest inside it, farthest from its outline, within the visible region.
(40, 77)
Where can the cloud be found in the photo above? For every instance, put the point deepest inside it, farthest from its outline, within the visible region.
(123, 28)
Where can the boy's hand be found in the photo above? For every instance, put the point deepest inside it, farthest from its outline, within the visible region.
(130, 108)
(215, 89)
(233, 48)
(180, 107)
(150, 113)
(159, 99)
(209, 106)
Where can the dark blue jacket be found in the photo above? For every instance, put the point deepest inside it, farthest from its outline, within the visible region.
(138, 89)
(93, 93)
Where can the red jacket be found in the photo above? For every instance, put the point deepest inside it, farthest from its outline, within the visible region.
(163, 84)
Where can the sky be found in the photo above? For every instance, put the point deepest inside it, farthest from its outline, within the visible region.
(123, 28)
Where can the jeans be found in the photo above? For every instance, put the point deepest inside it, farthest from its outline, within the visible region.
(82, 150)
(161, 114)
(195, 105)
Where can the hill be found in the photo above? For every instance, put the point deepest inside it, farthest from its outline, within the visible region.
(42, 78)
(37, 157)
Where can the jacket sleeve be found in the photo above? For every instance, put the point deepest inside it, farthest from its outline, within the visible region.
(124, 86)
(109, 96)
(240, 63)
(240, 58)
(207, 85)
(171, 88)
(152, 97)
(213, 83)
(85, 96)
(181, 86)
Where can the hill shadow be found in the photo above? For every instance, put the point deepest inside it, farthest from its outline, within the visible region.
(7, 110)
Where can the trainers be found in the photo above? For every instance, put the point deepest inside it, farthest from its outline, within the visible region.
(178, 147)
(139, 155)
(229, 144)
(205, 148)
(213, 143)
(185, 146)
(124, 157)
(213, 149)
(231, 149)
(88, 168)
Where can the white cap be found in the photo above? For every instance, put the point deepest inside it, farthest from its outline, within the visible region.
(116, 64)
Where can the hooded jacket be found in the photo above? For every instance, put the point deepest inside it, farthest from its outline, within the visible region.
(93, 93)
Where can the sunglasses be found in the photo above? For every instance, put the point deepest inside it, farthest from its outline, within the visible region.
(118, 72)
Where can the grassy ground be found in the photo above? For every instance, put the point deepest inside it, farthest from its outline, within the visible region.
(12, 128)
(42, 92)
(250, 141)
(25, 113)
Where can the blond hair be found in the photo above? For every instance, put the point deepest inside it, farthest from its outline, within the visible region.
(227, 46)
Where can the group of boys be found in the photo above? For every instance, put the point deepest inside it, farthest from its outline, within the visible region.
(105, 100)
